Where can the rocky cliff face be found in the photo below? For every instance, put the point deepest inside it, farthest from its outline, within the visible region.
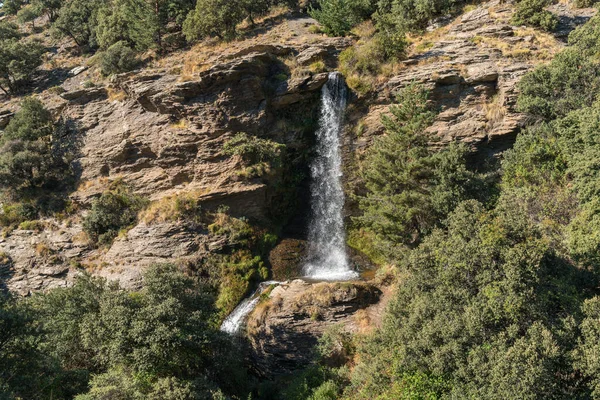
(471, 65)
(161, 131)
(162, 135)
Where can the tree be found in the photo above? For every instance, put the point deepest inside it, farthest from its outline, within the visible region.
(213, 18)
(28, 162)
(12, 7)
(130, 21)
(8, 30)
(25, 371)
(28, 13)
(485, 310)
(339, 16)
(77, 20)
(410, 187)
(18, 61)
(158, 343)
(48, 7)
(588, 349)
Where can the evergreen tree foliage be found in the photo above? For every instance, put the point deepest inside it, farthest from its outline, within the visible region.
(28, 13)
(28, 157)
(534, 13)
(158, 343)
(77, 19)
(18, 61)
(339, 16)
(12, 7)
(9, 30)
(214, 18)
(130, 21)
(570, 81)
(410, 187)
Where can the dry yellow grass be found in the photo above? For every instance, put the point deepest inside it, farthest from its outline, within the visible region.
(494, 111)
(181, 124)
(116, 94)
(173, 208)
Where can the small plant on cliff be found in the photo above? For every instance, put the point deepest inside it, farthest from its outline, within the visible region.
(260, 156)
(114, 210)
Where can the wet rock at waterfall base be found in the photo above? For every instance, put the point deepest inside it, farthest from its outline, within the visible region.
(284, 330)
(287, 259)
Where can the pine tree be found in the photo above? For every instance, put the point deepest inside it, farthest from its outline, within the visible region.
(410, 186)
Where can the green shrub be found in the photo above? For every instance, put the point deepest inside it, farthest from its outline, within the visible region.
(260, 156)
(14, 214)
(338, 17)
(113, 211)
(117, 59)
(214, 18)
(570, 81)
(533, 13)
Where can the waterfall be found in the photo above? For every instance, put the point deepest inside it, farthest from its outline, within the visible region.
(327, 258)
(234, 322)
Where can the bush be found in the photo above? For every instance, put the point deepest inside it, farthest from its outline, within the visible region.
(117, 59)
(129, 21)
(570, 81)
(113, 211)
(260, 156)
(14, 214)
(533, 13)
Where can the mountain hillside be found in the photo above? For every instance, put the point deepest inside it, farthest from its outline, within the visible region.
(158, 179)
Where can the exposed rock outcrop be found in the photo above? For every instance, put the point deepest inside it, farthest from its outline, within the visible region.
(472, 68)
(284, 330)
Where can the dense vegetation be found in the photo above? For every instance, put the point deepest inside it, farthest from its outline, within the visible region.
(96, 338)
(499, 298)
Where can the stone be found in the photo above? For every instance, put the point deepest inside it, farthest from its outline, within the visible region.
(283, 331)
(77, 70)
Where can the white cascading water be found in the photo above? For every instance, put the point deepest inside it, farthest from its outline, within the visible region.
(327, 258)
(234, 322)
